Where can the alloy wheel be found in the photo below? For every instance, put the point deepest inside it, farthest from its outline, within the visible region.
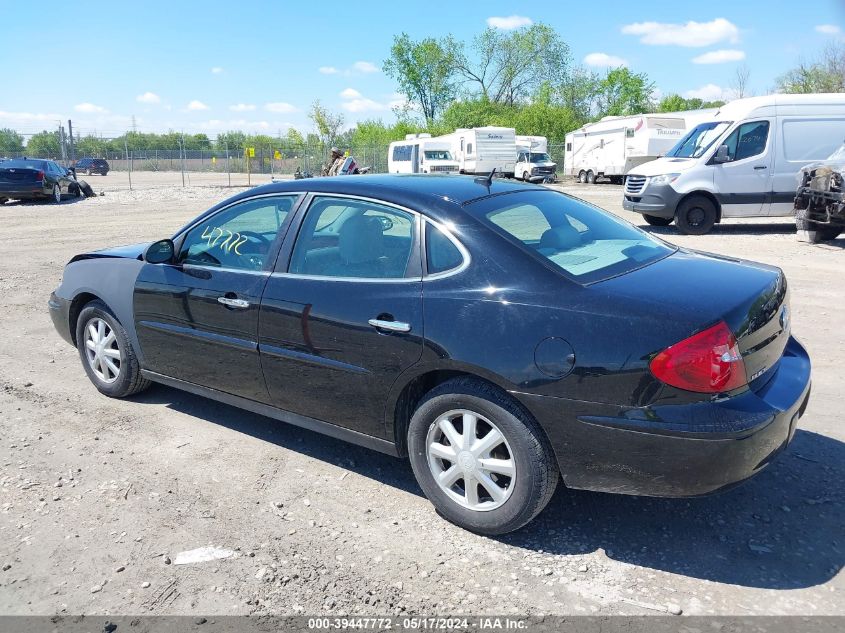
(470, 460)
(101, 350)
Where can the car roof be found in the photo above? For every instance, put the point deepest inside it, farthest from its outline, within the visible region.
(404, 189)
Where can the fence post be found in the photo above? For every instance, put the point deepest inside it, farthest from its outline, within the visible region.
(128, 166)
(228, 171)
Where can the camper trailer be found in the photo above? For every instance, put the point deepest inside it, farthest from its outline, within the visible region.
(480, 150)
(532, 159)
(612, 146)
(421, 154)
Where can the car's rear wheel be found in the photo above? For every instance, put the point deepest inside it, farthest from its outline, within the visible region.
(483, 462)
(582, 177)
(657, 221)
(57, 194)
(695, 216)
(106, 352)
(591, 178)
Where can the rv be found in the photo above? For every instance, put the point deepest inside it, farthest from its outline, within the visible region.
(742, 163)
(421, 154)
(612, 146)
(532, 159)
(480, 150)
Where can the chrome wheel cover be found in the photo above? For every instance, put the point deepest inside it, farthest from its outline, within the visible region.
(102, 350)
(470, 460)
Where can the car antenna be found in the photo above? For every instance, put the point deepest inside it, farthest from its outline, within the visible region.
(486, 180)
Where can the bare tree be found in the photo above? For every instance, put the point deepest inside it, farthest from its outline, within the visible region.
(739, 85)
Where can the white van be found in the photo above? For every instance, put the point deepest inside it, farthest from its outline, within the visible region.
(532, 159)
(421, 154)
(742, 163)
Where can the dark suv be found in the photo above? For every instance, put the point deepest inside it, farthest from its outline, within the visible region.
(92, 166)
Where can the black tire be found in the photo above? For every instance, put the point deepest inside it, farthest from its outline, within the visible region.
(591, 178)
(657, 221)
(57, 194)
(76, 191)
(526, 177)
(3, 200)
(582, 177)
(816, 233)
(129, 380)
(86, 189)
(695, 216)
(535, 464)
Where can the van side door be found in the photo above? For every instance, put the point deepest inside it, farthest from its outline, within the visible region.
(743, 185)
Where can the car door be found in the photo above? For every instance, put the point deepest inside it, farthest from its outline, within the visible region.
(341, 317)
(197, 318)
(744, 184)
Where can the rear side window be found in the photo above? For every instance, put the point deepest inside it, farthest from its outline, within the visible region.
(809, 140)
(584, 242)
(441, 254)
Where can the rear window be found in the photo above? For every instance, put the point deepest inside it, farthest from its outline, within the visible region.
(584, 242)
(20, 163)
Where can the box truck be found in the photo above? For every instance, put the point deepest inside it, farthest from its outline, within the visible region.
(744, 162)
(421, 154)
(612, 146)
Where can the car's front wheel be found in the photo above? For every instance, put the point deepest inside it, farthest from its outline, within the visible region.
(696, 215)
(106, 352)
(483, 462)
(57, 194)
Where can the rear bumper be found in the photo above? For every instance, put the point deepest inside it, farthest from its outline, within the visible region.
(660, 201)
(60, 314)
(23, 192)
(678, 450)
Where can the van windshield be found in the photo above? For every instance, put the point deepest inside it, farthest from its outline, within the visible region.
(698, 140)
(540, 157)
(438, 154)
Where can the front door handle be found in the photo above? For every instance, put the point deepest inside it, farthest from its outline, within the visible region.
(233, 303)
(759, 167)
(392, 326)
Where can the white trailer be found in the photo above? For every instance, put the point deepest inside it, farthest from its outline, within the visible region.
(480, 150)
(421, 154)
(612, 146)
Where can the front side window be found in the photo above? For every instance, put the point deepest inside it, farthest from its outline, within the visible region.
(238, 237)
(698, 140)
(347, 237)
(583, 241)
(747, 140)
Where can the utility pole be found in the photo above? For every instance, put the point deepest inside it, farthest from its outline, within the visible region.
(70, 135)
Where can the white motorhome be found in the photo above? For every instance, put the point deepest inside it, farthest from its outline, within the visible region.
(741, 163)
(532, 159)
(614, 145)
(480, 150)
(421, 154)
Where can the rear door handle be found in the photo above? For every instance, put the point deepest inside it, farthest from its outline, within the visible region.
(233, 303)
(759, 167)
(392, 326)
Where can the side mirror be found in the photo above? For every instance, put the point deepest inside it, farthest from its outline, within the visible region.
(160, 252)
(386, 223)
(721, 155)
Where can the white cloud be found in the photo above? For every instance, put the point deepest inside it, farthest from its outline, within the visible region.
(603, 59)
(350, 93)
(328, 70)
(707, 92)
(221, 125)
(719, 57)
(148, 97)
(363, 105)
(691, 34)
(365, 67)
(508, 23)
(217, 70)
(242, 107)
(279, 106)
(828, 29)
(195, 106)
(90, 108)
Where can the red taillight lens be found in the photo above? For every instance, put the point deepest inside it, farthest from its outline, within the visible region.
(707, 362)
(39, 175)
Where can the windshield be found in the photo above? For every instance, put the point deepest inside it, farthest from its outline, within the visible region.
(839, 154)
(542, 157)
(698, 140)
(439, 154)
(585, 242)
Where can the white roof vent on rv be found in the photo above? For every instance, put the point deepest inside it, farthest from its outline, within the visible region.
(411, 137)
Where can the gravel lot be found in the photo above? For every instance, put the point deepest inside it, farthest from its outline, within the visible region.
(99, 497)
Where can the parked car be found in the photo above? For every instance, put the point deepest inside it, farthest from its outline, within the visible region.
(820, 199)
(33, 179)
(92, 166)
(501, 335)
(742, 163)
(535, 167)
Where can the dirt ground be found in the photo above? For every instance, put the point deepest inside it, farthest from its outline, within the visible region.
(98, 497)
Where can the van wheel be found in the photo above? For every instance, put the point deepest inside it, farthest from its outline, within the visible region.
(582, 177)
(657, 221)
(695, 216)
(591, 178)
(484, 463)
(525, 177)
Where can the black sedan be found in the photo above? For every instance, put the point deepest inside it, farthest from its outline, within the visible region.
(503, 336)
(36, 179)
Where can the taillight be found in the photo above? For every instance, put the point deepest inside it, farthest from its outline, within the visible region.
(39, 175)
(707, 362)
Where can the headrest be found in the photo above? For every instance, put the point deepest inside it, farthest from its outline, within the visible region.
(560, 238)
(361, 239)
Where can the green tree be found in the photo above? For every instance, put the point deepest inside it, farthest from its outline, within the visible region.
(328, 124)
(90, 146)
(234, 140)
(511, 66)
(10, 142)
(578, 92)
(44, 145)
(825, 75)
(676, 103)
(425, 71)
(622, 93)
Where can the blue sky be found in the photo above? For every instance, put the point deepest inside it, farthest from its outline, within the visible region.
(257, 66)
